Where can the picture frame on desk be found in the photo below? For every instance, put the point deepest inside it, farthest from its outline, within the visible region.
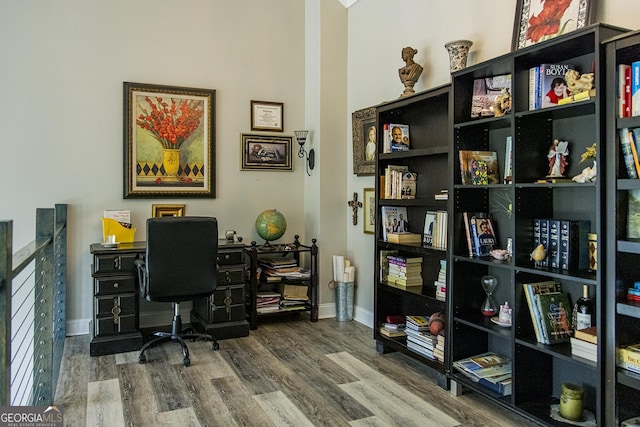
(267, 116)
(163, 160)
(369, 212)
(266, 152)
(531, 24)
(365, 141)
(159, 211)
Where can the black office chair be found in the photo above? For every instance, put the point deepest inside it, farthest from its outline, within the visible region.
(180, 265)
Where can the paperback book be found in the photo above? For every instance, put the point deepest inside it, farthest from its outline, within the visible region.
(394, 220)
(530, 291)
(485, 92)
(555, 312)
(480, 233)
(552, 83)
(396, 137)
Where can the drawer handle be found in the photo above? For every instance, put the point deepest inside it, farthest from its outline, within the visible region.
(228, 276)
(116, 263)
(116, 310)
(227, 257)
(116, 285)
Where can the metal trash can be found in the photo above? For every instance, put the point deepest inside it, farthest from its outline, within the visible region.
(344, 301)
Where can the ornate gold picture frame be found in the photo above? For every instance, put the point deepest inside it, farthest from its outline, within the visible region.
(365, 147)
(158, 211)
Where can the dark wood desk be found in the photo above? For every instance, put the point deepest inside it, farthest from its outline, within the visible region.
(116, 305)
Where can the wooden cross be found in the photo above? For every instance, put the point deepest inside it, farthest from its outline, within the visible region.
(355, 204)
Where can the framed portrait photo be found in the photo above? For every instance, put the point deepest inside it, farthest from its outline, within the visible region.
(540, 20)
(369, 213)
(266, 152)
(169, 141)
(267, 116)
(365, 146)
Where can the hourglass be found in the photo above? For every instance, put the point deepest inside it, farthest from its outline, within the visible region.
(489, 307)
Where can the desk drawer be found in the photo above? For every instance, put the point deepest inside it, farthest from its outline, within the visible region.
(116, 314)
(114, 285)
(230, 257)
(230, 276)
(113, 263)
(226, 304)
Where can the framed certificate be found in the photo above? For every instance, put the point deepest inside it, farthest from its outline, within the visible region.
(266, 116)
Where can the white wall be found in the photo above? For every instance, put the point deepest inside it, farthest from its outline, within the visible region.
(63, 64)
(379, 29)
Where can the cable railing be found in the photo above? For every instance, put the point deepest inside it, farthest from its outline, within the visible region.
(33, 283)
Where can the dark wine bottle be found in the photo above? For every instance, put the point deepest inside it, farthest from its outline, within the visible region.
(583, 310)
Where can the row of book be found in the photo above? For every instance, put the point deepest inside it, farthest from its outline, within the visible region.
(399, 182)
(629, 89)
(480, 233)
(629, 140)
(566, 242)
(550, 311)
(548, 86)
(435, 229)
(276, 268)
(395, 137)
(489, 369)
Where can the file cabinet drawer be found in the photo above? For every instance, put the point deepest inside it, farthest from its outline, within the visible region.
(114, 285)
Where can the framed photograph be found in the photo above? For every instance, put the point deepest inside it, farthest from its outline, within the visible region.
(369, 206)
(169, 141)
(540, 20)
(365, 146)
(158, 211)
(267, 116)
(266, 152)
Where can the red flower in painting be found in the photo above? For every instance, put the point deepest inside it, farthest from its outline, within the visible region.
(171, 122)
(547, 22)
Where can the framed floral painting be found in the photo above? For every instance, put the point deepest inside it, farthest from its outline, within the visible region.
(169, 141)
(540, 20)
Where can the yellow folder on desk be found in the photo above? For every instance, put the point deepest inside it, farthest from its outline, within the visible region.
(123, 234)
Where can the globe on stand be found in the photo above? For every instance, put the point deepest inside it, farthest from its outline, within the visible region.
(270, 225)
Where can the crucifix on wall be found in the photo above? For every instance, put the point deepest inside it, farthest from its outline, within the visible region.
(355, 204)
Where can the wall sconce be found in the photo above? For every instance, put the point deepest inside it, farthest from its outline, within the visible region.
(301, 137)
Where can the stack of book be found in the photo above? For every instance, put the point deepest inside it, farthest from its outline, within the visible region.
(584, 343)
(441, 283)
(438, 349)
(489, 369)
(421, 342)
(274, 269)
(417, 323)
(267, 302)
(404, 272)
(633, 294)
(404, 238)
(394, 327)
(294, 297)
(628, 357)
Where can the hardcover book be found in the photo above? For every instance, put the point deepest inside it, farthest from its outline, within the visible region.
(394, 219)
(479, 167)
(483, 235)
(553, 85)
(408, 185)
(427, 234)
(530, 291)
(555, 312)
(574, 241)
(398, 137)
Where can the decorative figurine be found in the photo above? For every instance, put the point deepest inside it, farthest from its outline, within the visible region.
(410, 73)
(502, 103)
(538, 254)
(577, 83)
(557, 156)
(500, 254)
(504, 316)
(589, 173)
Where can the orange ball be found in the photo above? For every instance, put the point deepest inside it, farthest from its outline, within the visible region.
(436, 323)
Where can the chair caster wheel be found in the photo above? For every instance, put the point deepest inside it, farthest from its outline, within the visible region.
(142, 358)
(186, 362)
(215, 346)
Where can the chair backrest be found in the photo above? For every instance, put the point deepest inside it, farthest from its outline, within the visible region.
(181, 258)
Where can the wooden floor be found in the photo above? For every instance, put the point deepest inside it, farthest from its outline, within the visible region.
(294, 373)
